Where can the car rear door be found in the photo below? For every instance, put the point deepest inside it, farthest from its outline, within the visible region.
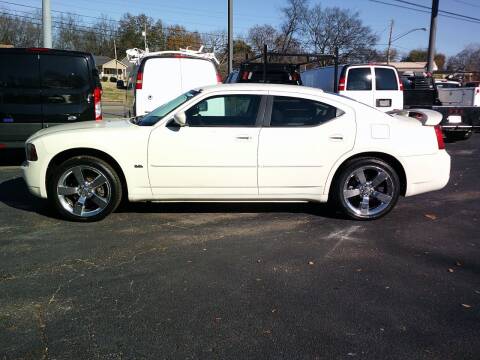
(20, 100)
(301, 139)
(359, 84)
(387, 94)
(67, 89)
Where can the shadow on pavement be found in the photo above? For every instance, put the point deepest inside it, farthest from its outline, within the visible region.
(14, 193)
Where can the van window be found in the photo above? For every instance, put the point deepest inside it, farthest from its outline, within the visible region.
(64, 72)
(225, 111)
(288, 111)
(19, 71)
(359, 79)
(386, 79)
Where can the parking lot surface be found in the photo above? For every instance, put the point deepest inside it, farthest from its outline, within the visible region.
(236, 281)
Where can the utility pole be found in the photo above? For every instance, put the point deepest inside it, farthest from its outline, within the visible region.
(433, 35)
(230, 36)
(389, 42)
(116, 66)
(46, 24)
(144, 33)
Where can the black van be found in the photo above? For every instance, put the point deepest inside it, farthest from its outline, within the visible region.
(45, 87)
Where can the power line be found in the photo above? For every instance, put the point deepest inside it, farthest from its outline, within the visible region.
(424, 11)
(440, 11)
(467, 3)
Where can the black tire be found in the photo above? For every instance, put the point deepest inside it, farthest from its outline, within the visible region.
(384, 195)
(108, 195)
(452, 136)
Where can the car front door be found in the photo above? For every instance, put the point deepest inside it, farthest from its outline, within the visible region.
(300, 142)
(214, 156)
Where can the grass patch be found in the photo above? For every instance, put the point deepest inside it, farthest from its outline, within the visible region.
(111, 93)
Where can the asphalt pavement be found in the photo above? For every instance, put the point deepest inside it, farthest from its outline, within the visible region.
(243, 281)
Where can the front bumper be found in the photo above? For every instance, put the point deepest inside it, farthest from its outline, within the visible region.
(426, 172)
(32, 176)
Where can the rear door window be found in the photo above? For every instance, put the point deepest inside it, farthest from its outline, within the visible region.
(386, 79)
(19, 71)
(359, 79)
(289, 111)
(64, 72)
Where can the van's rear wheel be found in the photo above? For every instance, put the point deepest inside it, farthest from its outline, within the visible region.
(84, 188)
(366, 189)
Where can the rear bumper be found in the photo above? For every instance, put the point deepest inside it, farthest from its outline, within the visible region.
(426, 172)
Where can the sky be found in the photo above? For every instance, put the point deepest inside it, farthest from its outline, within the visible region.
(210, 15)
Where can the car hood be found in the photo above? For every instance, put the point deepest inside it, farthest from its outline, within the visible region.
(84, 125)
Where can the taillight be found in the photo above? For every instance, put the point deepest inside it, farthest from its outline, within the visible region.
(295, 76)
(139, 83)
(219, 78)
(97, 99)
(341, 84)
(439, 133)
(245, 75)
(401, 86)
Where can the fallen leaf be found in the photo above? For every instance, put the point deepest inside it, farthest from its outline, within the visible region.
(431, 216)
(450, 270)
(311, 263)
(274, 311)
(459, 263)
(358, 270)
(466, 306)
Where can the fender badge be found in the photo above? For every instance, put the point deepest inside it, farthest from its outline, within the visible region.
(138, 166)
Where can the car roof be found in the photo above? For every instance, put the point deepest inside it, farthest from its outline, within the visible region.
(262, 87)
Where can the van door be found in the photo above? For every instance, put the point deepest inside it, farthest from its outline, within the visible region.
(20, 100)
(197, 73)
(387, 93)
(359, 84)
(66, 89)
(161, 83)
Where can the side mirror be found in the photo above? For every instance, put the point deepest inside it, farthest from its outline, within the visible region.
(180, 118)
(121, 85)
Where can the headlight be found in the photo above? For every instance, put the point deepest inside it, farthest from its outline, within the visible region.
(31, 152)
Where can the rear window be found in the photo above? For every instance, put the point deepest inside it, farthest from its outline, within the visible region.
(386, 79)
(64, 72)
(359, 79)
(19, 71)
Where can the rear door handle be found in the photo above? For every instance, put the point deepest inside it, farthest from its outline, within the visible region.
(243, 137)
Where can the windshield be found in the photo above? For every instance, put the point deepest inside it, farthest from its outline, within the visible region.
(159, 113)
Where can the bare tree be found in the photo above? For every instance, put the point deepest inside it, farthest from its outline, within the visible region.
(294, 14)
(20, 31)
(330, 28)
(466, 60)
(259, 35)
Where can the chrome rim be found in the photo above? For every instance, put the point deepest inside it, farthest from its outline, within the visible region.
(84, 191)
(368, 191)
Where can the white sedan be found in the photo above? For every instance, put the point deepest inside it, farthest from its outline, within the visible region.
(241, 142)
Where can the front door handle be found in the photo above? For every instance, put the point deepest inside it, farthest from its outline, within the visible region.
(336, 137)
(243, 137)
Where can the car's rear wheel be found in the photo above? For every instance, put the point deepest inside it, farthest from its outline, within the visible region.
(84, 188)
(366, 189)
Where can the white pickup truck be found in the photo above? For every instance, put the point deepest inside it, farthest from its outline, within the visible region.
(460, 96)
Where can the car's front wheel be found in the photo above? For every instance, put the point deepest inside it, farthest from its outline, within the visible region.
(366, 189)
(84, 188)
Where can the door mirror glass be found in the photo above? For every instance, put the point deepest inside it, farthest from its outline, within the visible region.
(180, 118)
(203, 106)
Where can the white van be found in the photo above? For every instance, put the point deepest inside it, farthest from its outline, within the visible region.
(375, 85)
(162, 76)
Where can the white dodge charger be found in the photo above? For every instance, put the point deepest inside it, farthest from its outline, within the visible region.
(241, 142)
